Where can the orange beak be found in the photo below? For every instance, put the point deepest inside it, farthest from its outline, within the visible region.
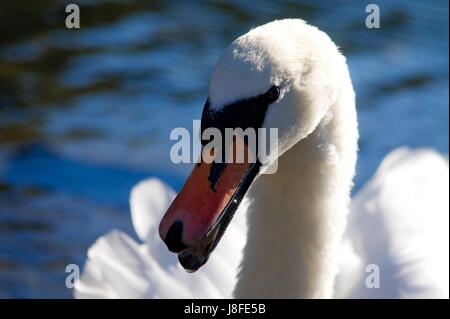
(199, 215)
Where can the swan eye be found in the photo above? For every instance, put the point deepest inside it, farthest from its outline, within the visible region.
(272, 94)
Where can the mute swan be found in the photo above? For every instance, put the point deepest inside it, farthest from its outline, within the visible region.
(297, 243)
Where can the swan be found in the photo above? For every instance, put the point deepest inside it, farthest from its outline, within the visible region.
(297, 233)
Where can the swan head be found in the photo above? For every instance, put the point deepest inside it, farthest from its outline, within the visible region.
(281, 75)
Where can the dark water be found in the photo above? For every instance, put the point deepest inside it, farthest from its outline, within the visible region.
(85, 114)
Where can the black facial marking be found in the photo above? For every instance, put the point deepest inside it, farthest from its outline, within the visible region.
(247, 113)
(215, 172)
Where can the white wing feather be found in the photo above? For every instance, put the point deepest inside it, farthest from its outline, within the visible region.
(119, 267)
(399, 221)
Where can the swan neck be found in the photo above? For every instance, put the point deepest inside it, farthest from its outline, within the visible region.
(296, 219)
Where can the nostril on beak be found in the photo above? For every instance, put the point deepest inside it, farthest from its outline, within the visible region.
(173, 238)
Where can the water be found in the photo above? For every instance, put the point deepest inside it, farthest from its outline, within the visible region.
(85, 114)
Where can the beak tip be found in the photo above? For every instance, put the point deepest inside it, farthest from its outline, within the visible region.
(173, 237)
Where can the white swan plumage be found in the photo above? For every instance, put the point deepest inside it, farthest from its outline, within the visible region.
(398, 221)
